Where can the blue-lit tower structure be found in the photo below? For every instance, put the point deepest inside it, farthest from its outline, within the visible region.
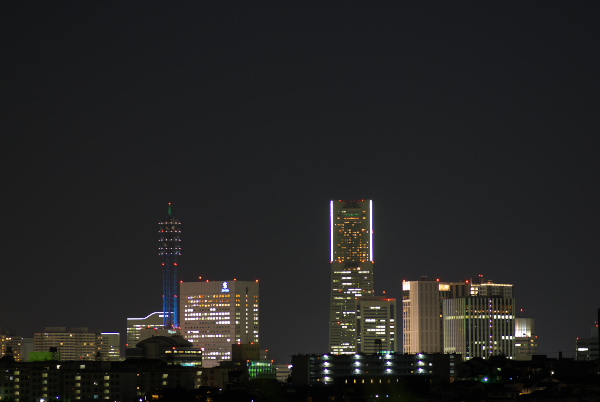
(170, 249)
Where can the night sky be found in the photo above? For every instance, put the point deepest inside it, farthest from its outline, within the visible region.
(472, 125)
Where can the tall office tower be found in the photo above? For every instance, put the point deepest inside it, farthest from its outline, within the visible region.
(351, 242)
(422, 312)
(526, 343)
(376, 325)
(217, 314)
(482, 324)
(169, 249)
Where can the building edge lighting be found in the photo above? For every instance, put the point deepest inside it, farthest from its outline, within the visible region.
(331, 230)
(371, 230)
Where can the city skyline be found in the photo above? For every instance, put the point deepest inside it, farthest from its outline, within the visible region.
(355, 244)
(472, 127)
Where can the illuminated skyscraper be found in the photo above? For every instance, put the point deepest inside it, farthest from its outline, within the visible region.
(169, 249)
(217, 314)
(351, 241)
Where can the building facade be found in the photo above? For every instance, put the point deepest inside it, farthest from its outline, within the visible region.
(217, 314)
(481, 325)
(113, 381)
(588, 348)
(172, 349)
(76, 344)
(137, 328)
(329, 368)
(16, 346)
(351, 257)
(526, 342)
(110, 346)
(422, 312)
(376, 325)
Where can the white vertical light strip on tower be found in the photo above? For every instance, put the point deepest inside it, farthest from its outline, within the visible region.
(331, 229)
(371, 229)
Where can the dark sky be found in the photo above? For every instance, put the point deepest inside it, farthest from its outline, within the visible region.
(472, 125)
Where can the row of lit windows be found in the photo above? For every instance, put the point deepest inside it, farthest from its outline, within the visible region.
(197, 305)
(218, 296)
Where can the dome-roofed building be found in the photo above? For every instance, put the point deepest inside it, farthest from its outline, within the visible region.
(172, 349)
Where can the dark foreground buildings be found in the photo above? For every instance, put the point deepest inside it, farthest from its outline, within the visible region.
(131, 380)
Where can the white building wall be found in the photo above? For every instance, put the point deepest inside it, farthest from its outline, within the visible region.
(217, 314)
(377, 325)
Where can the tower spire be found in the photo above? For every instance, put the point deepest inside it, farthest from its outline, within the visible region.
(169, 249)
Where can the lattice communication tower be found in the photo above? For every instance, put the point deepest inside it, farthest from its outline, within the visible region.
(170, 249)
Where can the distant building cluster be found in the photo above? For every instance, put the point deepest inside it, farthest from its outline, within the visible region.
(61, 343)
(473, 317)
(209, 331)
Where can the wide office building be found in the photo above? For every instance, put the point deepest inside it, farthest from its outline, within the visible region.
(422, 312)
(379, 369)
(77, 344)
(141, 328)
(218, 314)
(482, 324)
(131, 380)
(351, 257)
